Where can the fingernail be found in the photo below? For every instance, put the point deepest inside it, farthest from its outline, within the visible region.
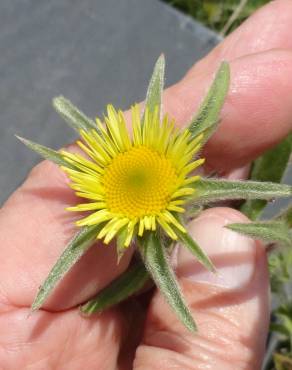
(233, 255)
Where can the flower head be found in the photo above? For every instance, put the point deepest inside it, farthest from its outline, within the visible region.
(134, 182)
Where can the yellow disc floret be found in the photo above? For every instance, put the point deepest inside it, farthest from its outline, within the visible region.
(133, 183)
(139, 182)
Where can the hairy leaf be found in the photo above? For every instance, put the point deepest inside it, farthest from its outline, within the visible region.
(156, 262)
(266, 231)
(120, 242)
(82, 241)
(270, 166)
(211, 190)
(155, 87)
(193, 211)
(206, 120)
(127, 284)
(72, 115)
(47, 153)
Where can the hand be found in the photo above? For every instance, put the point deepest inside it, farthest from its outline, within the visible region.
(231, 308)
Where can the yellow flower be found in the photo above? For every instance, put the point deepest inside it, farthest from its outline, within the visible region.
(134, 182)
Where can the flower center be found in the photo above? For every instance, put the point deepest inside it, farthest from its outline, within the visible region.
(139, 182)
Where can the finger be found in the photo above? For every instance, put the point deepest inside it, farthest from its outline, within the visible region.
(266, 29)
(34, 229)
(230, 308)
(256, 115)
(64, 341)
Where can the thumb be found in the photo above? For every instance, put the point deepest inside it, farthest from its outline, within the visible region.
(231, 308)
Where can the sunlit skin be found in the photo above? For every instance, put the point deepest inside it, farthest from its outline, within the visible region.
(233, 323)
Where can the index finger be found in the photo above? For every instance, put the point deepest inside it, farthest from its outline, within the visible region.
(257, 113)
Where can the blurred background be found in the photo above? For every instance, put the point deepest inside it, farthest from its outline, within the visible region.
(222, 16)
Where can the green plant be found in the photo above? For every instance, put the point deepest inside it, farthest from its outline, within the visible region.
(129, 202)
(222, 16)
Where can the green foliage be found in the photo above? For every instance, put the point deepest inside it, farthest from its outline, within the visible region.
(280, 263)
(154, 255)
(284, 317)
(216, 13)
(46, 153)
(280, 267)
(273, 232)
(72, 115)
(282, 362)
(120, 242)
(212, 190)
(155, 87)
(127, 284)
(270, 166)
(207, 118)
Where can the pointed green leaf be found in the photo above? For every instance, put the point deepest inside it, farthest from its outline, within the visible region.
(154, 256)
(207, 118)
(212, 190)
(280, 329)
(284, 313)
(196, 250)
(47, 153)
(266, 231)
(193, 211)
(127, 284)
(155, 87)
(82, 241)
(72, 115)
(120, 242)
(270, 166)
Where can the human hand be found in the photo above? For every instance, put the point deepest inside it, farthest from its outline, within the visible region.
(231, 309)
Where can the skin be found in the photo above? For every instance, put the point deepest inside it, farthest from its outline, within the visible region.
(232, 322)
